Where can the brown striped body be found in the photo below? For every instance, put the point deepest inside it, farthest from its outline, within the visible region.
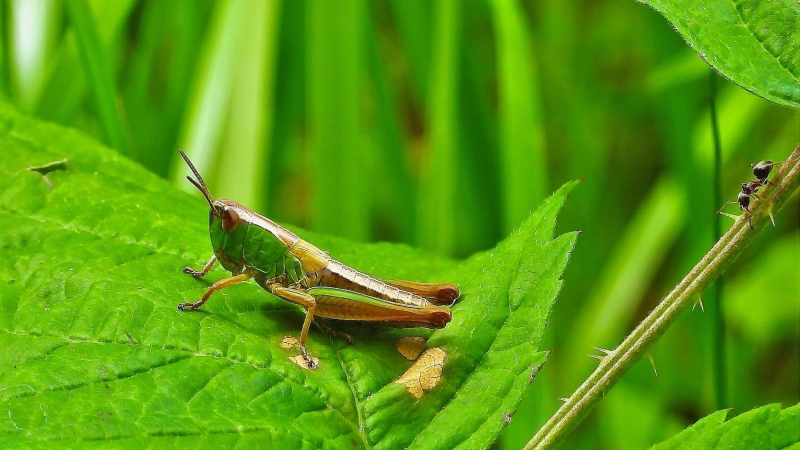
(341, 276)
(322, 270)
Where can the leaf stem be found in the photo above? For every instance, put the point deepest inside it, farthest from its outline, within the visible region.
(714, 263)
(717, 324)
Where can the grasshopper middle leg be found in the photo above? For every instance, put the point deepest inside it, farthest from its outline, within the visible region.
(303, 299)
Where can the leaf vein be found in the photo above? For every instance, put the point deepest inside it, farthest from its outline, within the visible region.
(360, 430)
(193, 353)
(72, 387)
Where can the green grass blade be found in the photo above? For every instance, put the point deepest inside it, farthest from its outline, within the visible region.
(30, 30)
(436, 198)
(287, 199)
(414, 26)
(717, 326)
(243, 168)
(139, 77)
(580, 134)
(98, 71)
(209, 103)
(400, 191)
(335, 73)
(65, 90)
(476, 170)
(522, 136)
(29, 50)
(158, 76)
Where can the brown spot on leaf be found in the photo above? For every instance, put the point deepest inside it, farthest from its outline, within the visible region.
(425, 374)
(411, 346)
(289, 342)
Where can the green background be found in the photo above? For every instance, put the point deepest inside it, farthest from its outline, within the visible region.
(442, 125)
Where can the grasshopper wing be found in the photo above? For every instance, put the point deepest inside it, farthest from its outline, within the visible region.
(342, 304)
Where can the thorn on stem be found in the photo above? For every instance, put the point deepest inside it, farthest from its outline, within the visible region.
(652, 363)
(771, 217)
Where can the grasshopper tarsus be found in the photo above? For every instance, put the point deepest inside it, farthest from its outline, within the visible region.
(192, 272)
(304, 353)
(182, 306)
(309, 361)
(202, 272)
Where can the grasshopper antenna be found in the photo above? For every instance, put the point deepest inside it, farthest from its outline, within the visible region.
(201, 185)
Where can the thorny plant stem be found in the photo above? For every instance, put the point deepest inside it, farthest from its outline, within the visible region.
(687, 292)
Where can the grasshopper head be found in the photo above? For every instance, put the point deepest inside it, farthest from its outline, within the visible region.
(226, 215)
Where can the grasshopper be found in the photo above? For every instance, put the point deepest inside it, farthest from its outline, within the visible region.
(249, 245)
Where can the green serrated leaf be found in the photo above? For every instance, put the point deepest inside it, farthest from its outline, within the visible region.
(93, 349)
(767, 428)
(755, 44)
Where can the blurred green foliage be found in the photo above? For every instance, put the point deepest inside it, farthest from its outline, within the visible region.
(442, 124)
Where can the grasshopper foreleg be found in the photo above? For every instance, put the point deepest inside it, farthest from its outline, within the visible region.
(204, 271)
(221, 284)
(298, 298)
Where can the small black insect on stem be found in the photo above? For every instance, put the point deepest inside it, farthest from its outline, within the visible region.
(761, 171)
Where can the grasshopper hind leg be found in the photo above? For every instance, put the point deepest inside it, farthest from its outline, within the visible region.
(334, 333)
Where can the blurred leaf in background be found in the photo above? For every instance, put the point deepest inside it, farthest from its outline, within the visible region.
(441, 124)
(766, 428)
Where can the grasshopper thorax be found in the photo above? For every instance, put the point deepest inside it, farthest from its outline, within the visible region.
(236, 215)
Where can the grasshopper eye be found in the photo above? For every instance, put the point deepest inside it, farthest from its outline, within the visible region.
(230, 220)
